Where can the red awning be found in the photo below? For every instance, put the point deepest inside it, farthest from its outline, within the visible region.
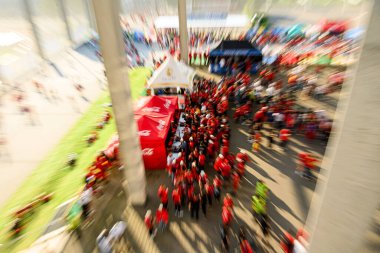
(153, 116)
(153, 130)
(165, 105)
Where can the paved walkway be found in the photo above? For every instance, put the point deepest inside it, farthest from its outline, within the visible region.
(28, 144)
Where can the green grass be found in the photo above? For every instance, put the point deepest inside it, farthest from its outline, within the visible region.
(199, 62)
(52, 176)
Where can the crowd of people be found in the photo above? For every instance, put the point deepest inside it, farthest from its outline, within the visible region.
(204, 151)
(267, 106)
(156, 40)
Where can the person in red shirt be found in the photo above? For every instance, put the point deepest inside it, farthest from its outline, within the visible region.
(194, 170)
(210, 191)
(226, 216)
(189, 177)
(263, 72)
(301, 163)
(269, 76)
(309, 166)
(287, 243)
(240, 167)
(190, 193)
(227, 201)
(191, 144)
(172, 51)
(222, 106)
(201, 160)
(196, 153)
(224, 150)
(177, 201)
(235, 182)
(182, 167)
(284, 137)
(179, 159)
(217, 187)
(225, 169)
(149, 222)
(215, 140)
(245, 247)
(218, 163)
(202, 178)
(290, 121)
(199, 55)
(242, 155)
(162, 217)
(210, 149)
(231, 159)
(162, 193)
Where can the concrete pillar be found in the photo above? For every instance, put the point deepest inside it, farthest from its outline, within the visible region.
(345, 202)
(183, 36)
(63, 9)
(90, 15)
(36, 35)
(112, 48)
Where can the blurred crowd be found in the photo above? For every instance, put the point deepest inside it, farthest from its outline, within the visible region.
(203, 164)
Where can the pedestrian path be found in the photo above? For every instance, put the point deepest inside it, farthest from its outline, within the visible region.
(29, 138)
(311, 103)
(137, 232)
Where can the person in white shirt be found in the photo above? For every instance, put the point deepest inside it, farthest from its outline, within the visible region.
(312, 80)
(222, 62)
(318, 92)
(85, 199)
(298, 247)
(259, 89)
(270, 91)
(257, 83)
(278, 119)
(169, 159)
(204, 108)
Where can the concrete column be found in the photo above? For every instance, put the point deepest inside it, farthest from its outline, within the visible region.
(36, 35)
(112, 48)
(345, 202)
(183, 36)
(90, 15)
(62, 8)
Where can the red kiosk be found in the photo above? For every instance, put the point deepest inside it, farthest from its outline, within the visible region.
(153, 116)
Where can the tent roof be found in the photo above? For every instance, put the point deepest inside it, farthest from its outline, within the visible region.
(157, 105)
(152, 127)
(235, 48)
(171, 74)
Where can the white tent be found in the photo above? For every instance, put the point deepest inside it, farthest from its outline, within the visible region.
(172, 74)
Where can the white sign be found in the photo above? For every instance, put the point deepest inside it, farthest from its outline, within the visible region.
(151, 109)
(144, 132)
(147, 151)
(161, 125)
(167, 103)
